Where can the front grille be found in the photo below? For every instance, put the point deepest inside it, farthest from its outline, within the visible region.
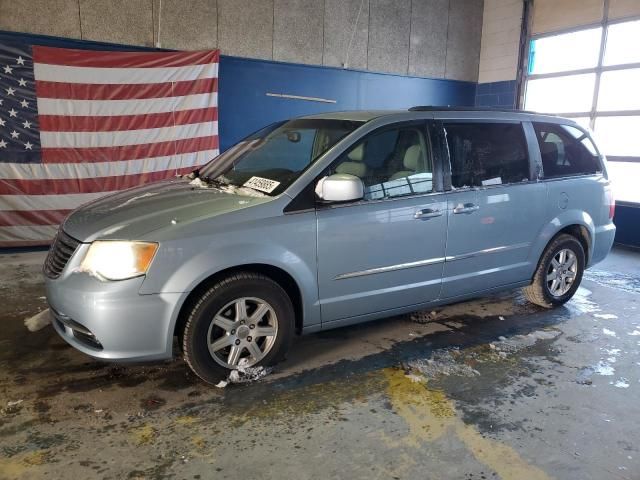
(59, 254)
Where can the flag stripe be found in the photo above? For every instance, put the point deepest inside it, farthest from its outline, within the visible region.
(81, 91)
(62, 123)
(67, 201)
(32, 217)
(102, 108)
(128, 152)
(86, 185)
(40, 171)
(127, 137)
(80, 58)
(27, 236)
(126, 76)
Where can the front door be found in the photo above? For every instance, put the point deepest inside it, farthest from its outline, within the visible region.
(386, 251)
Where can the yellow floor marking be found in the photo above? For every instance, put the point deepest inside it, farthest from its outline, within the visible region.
(22, 465)
(429, 415)
(144, 434)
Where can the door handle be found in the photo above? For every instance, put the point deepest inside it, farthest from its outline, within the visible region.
(427, 213)
(465, 208)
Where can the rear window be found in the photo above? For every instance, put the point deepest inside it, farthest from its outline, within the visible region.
(566, 150)
(484, 154)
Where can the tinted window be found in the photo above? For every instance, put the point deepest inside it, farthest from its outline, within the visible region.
(485, 154)
(565, 150)
(390, 163)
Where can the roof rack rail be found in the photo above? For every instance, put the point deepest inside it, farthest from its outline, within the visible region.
(448, 108)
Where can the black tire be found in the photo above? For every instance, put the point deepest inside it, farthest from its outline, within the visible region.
(539, 292)
(196, 333)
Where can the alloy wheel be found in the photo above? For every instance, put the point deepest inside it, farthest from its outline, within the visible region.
(242, 332)
(562, 272)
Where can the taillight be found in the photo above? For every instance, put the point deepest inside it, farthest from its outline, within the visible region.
(612, 205)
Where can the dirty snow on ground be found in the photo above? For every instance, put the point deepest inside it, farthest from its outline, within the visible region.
(244, 374)
(621, 281)
(581, 302)
(452, 361)
(443, 362)
(622, 383)
(605, 316)
(611, 333)
(518, 342)
(38, 321)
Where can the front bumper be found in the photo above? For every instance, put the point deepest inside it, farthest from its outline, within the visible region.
(111, 320)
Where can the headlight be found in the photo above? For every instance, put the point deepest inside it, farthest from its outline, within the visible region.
(116, 260)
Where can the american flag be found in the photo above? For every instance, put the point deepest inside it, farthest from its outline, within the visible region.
(79, 124)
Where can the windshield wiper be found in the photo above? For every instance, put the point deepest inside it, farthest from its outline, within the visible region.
(214, 181)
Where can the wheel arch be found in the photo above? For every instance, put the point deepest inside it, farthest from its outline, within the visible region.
(577, 230)
(277, 274)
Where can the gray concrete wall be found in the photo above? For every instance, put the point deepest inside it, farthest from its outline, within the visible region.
(427, 38)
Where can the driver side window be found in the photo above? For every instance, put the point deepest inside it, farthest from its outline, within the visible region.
(390, 163)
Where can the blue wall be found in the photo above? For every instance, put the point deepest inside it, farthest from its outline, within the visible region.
(627, 220)
(245, 108)
(496, 94)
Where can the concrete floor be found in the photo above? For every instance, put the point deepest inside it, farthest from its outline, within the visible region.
(493, 388)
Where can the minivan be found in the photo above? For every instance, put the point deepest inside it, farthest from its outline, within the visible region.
(331, 220)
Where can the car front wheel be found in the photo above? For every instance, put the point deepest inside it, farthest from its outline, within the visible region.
(243, 320)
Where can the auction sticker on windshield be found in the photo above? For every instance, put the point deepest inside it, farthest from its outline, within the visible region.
(263, 184)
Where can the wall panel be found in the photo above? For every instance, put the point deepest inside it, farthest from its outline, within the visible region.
(463, 40)
(190, 25)
(389, 25)
(245, 28)
(428, 42)
(118, 21)
(47, 17)
(345, 41)
(298, 31)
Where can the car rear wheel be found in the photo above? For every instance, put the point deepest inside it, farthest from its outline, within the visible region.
(559, 273)
(243, 320)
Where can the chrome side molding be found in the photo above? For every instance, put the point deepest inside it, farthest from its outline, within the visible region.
(390, 268)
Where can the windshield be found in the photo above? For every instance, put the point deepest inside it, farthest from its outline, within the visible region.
(272, 158)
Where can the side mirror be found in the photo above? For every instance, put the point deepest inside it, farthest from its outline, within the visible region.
(340, 187)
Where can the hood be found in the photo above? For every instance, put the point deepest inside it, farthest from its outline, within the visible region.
(130, 214)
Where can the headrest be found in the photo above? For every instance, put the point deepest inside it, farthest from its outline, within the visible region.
(359, 169)
(412, 157)
(357, 153)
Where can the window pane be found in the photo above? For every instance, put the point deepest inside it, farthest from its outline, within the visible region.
(565, 151)
(584, 122)
(390, 163)
(618, 136)
(573, 93)
(484, 154)
(622, 43)
(624, 176)
(619, 90)
(561, 53)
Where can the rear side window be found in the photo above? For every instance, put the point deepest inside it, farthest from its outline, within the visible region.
(484, 154)
(566, 150)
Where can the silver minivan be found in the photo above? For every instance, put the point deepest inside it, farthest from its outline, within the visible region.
(330, 220)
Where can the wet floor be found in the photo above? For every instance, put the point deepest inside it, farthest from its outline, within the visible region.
(492, 388)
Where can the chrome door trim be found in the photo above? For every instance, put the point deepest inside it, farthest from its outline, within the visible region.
(503, 248)
(390, 268)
